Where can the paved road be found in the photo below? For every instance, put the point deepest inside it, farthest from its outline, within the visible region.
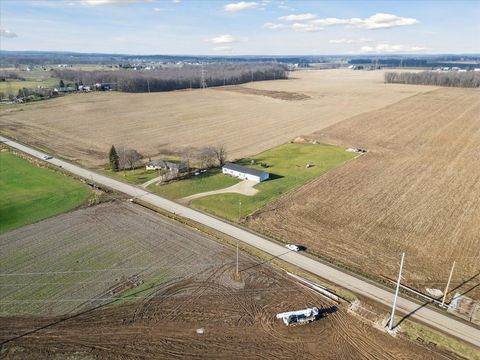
(428, 316)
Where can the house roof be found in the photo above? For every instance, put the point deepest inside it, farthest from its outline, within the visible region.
(244, 169)
(173, 165)
(156, 163)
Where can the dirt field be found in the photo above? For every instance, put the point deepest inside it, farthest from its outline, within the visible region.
(237, 319)
(417, 190)
(74, 291)
(84, 126)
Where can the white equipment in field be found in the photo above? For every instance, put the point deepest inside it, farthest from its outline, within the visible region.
(299, 317)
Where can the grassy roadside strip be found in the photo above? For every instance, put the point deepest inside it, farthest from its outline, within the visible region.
(135, 177)
(42, 148)
(410, 329)
(426, 336)
(96, 197)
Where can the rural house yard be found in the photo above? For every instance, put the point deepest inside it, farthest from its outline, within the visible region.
(286, 164)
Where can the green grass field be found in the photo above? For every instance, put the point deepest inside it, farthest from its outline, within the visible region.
(29, 193)
(211, 180)
(287, 168)
(137, 176)
(12, 87)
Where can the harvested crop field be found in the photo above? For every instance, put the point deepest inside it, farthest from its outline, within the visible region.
(91, 256)
(82, 127)
(417, 190)
(208, 315)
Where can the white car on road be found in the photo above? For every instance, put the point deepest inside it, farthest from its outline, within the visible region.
(292, 247)
(47, 157)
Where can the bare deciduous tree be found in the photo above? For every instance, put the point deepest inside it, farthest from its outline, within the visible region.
(174, 78)
(188, 155)
(128, 158)
(133, 157)
(220, 152)
(206, 156)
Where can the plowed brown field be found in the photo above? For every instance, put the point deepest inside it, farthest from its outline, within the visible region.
(237, 321)
(417, 190)
(249, 120)
(57, 299)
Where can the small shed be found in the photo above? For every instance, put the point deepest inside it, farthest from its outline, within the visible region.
(245, 173)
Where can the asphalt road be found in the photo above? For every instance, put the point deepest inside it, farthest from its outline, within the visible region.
(432, 318)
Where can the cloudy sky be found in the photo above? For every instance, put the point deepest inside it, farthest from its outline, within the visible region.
(261, 27)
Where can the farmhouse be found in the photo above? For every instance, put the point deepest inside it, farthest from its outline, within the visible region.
(176, 167)
(165, 165)
(156, 165)
(243, 172)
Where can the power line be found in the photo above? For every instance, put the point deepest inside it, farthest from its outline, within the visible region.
(166, 267)
(133, 297)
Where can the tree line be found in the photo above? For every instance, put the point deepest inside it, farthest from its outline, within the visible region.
(176, 78)
(121, 157)
(469, 79)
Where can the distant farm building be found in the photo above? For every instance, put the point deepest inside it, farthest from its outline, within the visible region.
(243, 172)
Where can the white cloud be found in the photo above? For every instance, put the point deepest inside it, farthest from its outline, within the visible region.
(7, 33)
(274, 26)
(226, 39)
(176, 1)
(383, 21)
(377, 21)
(387, 48)
(223, 49)
(350, 41)
(285, 7)
(242, 5)
(305, 27)
(159, 9)
(298, 17)
(332, 21)
(110, 2)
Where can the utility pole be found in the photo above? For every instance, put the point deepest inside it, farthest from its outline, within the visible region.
(239, 217)
(203, 80)
(448, 284)
(390, 325)
(148, 85)
(239, 210)
(237, 258)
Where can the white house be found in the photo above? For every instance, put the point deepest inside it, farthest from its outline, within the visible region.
(245, 173)
(156, 165)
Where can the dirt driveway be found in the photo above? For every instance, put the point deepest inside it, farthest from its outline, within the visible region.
(245, 187)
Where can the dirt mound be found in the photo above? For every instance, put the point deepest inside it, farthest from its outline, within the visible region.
(282, 95)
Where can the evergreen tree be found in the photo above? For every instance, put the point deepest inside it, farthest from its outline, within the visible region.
(114, 159)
